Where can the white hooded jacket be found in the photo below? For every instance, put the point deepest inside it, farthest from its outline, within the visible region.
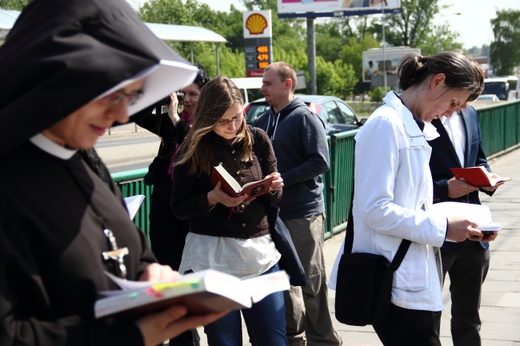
(392, 195)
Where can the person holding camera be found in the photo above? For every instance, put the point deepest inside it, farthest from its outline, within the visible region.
(167, 232)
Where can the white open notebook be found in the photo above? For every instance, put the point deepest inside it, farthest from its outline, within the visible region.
(133, 203)
(477, 213)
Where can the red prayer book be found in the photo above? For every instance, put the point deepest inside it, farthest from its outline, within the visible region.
(232, 187)
(478, 176)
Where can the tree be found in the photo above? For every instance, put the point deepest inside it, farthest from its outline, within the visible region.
(191, 12)
(16, 5)
(334, 78)
(260, 5)
(414, 26)
(352, 51)
(505, 50)
(440, 39)
(411, 25)
(288, 36)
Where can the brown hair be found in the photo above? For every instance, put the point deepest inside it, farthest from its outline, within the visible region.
(461, 72)
(216, 97)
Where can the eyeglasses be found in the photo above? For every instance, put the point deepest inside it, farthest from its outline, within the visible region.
(226, 122)
(118, 96)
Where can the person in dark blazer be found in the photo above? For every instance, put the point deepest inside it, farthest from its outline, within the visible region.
(467, 263)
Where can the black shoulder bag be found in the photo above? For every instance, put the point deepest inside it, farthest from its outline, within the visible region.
(364, 283)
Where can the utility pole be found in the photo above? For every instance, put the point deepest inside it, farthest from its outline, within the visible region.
(311, 55)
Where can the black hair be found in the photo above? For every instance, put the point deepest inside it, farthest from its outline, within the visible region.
(460, 71)
(201, 78)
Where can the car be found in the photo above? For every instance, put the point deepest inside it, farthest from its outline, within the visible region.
(506, 88)
(488, 97)
(335, 113)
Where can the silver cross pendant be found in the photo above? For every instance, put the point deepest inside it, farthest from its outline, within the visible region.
(116, 254)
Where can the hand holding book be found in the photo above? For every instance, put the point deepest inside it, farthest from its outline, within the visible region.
(203, 292)
(230, 186)
(478, 176)
(480, 214)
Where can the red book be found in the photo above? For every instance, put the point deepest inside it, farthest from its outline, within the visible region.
(232, 187)
(478, 176)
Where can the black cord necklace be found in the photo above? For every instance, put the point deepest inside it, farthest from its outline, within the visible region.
(114, 258)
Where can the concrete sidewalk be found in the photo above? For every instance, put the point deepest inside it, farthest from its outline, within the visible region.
(500, 307)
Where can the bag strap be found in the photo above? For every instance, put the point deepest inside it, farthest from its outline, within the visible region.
(399, 256)
(256, 149)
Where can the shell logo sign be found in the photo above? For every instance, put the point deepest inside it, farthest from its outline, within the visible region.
(256, 24)
(257, 41)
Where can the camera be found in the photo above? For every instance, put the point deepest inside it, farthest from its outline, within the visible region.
(167, 100)
(180, 96)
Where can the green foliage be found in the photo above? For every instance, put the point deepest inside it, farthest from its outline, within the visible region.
(505, 50)
(229, 25)
(232, 63)
(16, 5)
(440, 39)
(334, 78)
(377, 94)
(167, 12)
(415, 26)
(351, 52)
(260, 4)
(339, 41)
(288, 36)
(412, 25)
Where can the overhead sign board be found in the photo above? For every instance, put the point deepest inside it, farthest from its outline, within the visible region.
(317, 6)
(257, 41)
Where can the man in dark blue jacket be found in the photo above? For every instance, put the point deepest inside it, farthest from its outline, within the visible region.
(300, 144)
(467, 263)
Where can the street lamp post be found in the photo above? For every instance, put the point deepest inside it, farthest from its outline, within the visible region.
(385, 81)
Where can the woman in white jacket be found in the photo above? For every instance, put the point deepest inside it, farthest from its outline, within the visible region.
(393, 190)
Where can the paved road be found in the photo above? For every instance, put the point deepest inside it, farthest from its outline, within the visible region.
(127, 147)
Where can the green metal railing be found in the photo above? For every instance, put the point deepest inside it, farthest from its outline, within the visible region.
(131, 183)
(500, 125)
(339, 189)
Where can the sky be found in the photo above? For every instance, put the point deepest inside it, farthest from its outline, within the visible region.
(473, 24)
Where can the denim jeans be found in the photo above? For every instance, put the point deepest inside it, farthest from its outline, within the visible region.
(265, 323)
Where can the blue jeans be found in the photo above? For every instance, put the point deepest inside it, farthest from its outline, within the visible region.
(265, 323)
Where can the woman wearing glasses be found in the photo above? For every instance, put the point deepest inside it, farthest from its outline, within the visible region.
(90, 64)
(168, 233)
(228, 233)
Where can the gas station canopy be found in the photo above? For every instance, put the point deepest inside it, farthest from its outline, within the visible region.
(165, 32)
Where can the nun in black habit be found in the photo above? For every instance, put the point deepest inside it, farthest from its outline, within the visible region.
(70, 69)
